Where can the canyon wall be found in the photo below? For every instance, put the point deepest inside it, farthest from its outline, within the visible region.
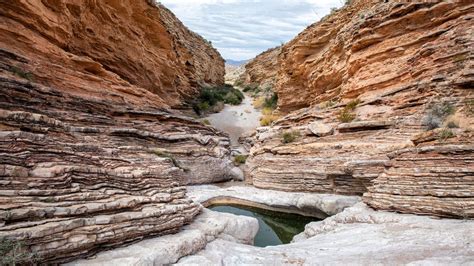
(91, 156)
(140, 43)
(367, 81)
(261, 71)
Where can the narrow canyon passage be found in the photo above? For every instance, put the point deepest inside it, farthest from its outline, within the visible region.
(129, 137)
(236, 120)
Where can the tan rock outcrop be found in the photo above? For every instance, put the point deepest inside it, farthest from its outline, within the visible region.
(90, 155)
(436, 179)
(121, 42)
(370, 48)
(375, 73)
(262, 70)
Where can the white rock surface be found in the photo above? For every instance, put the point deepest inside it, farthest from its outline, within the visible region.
(320, 205)
(237, 174)
(320, 129)
(208, 226)
(357, 236)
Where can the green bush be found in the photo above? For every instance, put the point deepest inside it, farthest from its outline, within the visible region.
(21, 73)
(437, 113)
(352, 105)
(210, 96)
(251, 87)
(271, 102)
(240, 159)
(452, 124)
(445, 134)
(290, 136)
(345, 116)
(204, 106)
(238, 83)
(15, 253)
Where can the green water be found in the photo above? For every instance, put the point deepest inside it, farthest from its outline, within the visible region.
(275, 228)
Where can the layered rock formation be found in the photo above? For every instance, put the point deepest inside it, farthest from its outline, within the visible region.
(141, 44)
(365, 50)
(90, 155)
(364, 87)
(358, 235)
(436, 179)
(207, 227)
(262, 70)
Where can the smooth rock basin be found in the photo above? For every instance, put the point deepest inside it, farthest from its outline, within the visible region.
(275, 228)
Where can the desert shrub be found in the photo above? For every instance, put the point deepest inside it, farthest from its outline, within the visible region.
(267, 120)
(290, 136)
(21, 73)
(203, 106)
(231, 98)
(238, 83)
(211, 96)
(327, 104)
(445, 134)
(15, 253)
(240, 159)
(352, 105)
(452, 124)
(470, 106)
(346, 116)
(271, 102)
(251, 87)
(267, 111)
(258, 102)
(437, 113)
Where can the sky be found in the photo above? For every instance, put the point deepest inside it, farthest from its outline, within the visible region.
(242, 29)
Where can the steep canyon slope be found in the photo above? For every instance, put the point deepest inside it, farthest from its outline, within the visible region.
(381, 102)
(91, 156)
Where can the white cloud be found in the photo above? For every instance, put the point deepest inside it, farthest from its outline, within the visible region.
(241, 29)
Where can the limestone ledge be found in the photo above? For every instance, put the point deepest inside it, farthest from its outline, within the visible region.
(358, 235)
(207, 227)
(310, 204)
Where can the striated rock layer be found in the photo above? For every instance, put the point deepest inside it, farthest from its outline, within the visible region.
(369, 48)
(142, 44)
(262, 70)
(365, 81)
(442, 183)
(90, 156)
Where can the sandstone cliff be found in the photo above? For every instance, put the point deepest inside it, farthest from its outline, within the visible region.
(90, 155)
(124, 42)
(262, 70)
(370, 80)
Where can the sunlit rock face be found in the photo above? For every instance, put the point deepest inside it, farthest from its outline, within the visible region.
(91, 156)
(366, 81)
(261, 71)
(121, 42)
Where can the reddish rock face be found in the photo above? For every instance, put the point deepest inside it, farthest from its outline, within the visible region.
(91, 157)
(376, 76)
(370, 48)
(123, 43)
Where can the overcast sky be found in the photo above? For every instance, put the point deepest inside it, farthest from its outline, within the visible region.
(241, 29)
